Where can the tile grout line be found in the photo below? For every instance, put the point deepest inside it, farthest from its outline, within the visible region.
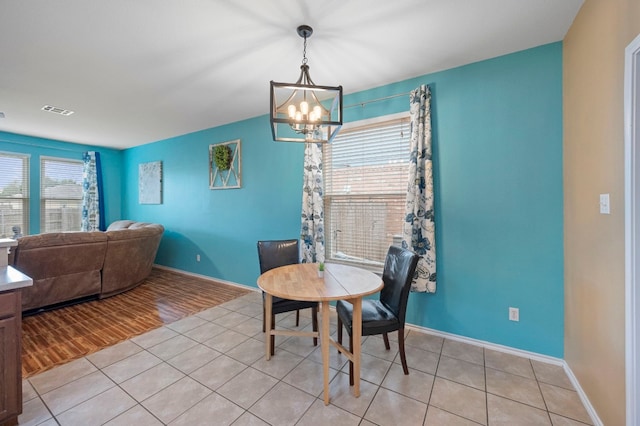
(303, 358)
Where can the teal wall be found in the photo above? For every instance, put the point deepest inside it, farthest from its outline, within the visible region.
(220, 225)
(497, 134)
(37, 147)
(499, 202)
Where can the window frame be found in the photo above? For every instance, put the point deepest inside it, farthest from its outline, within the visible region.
(44, 200)
(328, 198)
(26, 200)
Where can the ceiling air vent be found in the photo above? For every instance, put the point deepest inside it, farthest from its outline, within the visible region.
(57, 110)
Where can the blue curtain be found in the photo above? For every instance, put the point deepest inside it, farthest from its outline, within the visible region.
(92, 199)
(312, 229)
(419, 226)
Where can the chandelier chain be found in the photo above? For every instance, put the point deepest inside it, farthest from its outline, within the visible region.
(304, 52)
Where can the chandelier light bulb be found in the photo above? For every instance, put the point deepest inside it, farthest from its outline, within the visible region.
(304, 107)
(317, 111)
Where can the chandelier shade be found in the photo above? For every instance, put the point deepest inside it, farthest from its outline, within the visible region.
(303, 111)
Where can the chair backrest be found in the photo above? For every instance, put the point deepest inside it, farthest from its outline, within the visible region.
(276, 253)
(399, 268)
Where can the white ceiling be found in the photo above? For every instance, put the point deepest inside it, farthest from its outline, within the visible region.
(140, 71)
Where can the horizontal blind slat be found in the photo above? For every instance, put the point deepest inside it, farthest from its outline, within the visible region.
(365, 177)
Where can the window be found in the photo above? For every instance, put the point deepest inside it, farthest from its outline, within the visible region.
(60, 195)
(14, 195)
(365, 178)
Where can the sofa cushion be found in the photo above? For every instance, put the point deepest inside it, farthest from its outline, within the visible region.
(138, 225)
(130, 233)
(120, 224)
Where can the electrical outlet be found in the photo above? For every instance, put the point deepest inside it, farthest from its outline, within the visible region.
(197, 258)
(514, 314)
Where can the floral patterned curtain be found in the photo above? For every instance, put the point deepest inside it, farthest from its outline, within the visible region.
(419, 226)
(312, 229)
(92, 200)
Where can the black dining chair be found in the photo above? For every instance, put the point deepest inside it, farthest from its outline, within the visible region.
(388, 313)
(273, 254)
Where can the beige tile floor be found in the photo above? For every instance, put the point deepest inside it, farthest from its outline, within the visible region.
(209, 369)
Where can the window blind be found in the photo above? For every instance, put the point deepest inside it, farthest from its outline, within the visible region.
(365, 177)
(60, 195)
(14, 195)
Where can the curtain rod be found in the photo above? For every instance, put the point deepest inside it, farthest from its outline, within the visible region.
(362, 104)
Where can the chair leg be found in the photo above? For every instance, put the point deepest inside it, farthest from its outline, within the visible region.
(386, 341)
(339, 331)
(350, 362)
(272, 337)
(403, 358)
(297, 317)
(264, 318)
(314, 321)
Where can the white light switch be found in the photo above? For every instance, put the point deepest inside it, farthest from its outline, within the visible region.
(604, 204)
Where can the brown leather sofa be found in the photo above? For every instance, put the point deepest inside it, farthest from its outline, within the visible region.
(72, 265)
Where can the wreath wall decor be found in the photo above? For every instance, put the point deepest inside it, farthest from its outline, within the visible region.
(225, 165)
(222, 157)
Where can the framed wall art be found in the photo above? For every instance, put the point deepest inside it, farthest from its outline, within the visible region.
(150, 183)
(225, 165)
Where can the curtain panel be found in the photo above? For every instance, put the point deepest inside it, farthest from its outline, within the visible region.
(92, 200)
(419, 225)
(312, 229)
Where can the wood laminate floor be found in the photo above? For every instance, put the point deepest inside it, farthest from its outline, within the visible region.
(55, 337)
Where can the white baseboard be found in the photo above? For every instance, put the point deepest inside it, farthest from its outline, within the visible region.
(583, 397)
(488, 345)
(205, 277)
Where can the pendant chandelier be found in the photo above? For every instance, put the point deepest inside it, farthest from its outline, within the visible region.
(302, 111)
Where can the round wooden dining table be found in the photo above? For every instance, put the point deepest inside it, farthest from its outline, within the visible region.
(340, 282)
